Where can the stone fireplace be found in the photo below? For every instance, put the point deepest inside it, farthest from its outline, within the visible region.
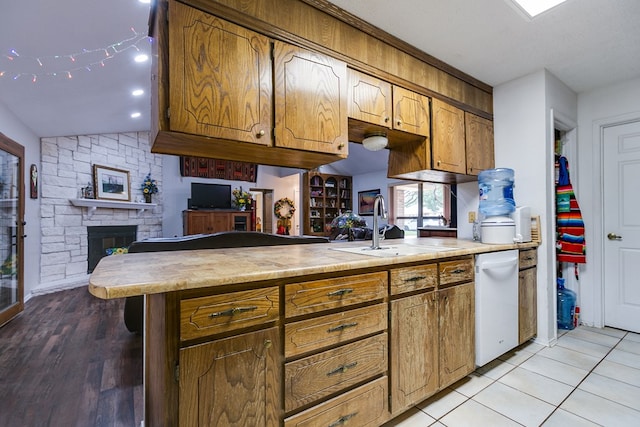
(104, 240)
(67, 167)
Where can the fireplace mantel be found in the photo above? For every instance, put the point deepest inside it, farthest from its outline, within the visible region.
(93, 204)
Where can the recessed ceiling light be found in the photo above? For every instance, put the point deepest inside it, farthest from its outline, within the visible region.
(536, 7)
(135, 115)
(137, 92)
(141, 58)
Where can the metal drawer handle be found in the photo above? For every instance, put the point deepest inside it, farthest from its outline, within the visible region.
(233, 311)
(343, 420)
(340, 292)
(342, 327)
(459, 271)
(415, 278)
(342, 369)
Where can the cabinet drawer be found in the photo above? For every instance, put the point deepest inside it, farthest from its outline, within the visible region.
(318, 295)
(528, 258)
(204, 316)
(311, 378)
(366, 406)
(456, 271)
(313, 334)
(413, 278)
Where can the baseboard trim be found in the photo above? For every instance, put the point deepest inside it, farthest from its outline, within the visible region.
(59, 285)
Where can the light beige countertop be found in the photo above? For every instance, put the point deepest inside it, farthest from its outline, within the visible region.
(160, 272)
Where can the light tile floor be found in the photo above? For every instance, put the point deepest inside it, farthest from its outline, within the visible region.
(590, 377)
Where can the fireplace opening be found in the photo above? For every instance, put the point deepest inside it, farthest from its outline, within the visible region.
(106, 238)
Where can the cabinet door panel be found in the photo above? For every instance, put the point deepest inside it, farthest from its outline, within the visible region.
(479, 143)
(448, 143)
(456, 307)
(231, 381)
(413, 354)
(311, 100)
(527, 305)
(410, 112)
(220, 78)
(196, 223)
(369, 99)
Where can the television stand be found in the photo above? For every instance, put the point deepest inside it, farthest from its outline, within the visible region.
(202, 221)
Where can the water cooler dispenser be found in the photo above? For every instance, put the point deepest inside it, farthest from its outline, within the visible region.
(496, 206)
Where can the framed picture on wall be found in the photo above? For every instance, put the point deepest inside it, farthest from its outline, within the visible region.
(365, 201)
(111, 183)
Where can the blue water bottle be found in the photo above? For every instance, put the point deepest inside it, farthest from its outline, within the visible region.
(496, 191)
(566, 306)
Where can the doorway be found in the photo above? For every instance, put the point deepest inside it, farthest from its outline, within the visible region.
(621, 241)
(11, 229)
(264, 202)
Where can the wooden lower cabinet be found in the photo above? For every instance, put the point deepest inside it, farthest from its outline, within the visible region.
(456, 324)
(314, 377)
(353, 349)
(365, 406)
(432, 335)
(413, 349)
(527, 295)
(232, 381)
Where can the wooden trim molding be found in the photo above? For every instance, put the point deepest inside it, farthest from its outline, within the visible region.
(348, 18)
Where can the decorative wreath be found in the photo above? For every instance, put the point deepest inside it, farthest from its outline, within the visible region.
(284, 208)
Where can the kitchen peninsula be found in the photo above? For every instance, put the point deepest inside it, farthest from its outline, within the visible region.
(300, 334)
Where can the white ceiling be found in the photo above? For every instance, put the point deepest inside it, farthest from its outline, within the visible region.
(585, 43)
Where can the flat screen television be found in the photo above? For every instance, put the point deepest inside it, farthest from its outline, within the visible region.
(210, 196)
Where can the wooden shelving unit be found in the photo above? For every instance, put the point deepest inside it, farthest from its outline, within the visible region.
(325, 197)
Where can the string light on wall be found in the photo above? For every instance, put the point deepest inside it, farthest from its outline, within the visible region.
(84, 60)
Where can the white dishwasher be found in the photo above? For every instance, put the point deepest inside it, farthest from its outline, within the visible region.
(496, 282)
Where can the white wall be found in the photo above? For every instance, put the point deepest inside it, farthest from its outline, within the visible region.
(13, 128)
(598, 108)
(523, 129)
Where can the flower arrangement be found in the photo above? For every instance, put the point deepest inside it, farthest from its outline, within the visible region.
(348, 220)
(241, 198)
(149, 186)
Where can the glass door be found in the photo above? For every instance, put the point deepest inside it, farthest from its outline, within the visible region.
(11, 229)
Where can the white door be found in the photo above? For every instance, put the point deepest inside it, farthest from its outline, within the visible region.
(622, 226)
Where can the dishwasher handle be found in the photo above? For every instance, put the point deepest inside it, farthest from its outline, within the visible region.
(499, 264)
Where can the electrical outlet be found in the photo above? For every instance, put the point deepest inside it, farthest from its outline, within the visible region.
(472, 216)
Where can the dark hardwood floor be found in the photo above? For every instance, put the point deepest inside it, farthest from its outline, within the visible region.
(68, 360)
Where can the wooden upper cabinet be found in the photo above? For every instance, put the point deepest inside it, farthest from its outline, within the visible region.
(220, 78)
(479, 143)
(410, 111)
(369, 99)
(448, 140)
(380, 103)
(310, 100)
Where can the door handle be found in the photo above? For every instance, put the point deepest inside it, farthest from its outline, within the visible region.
(613, 236)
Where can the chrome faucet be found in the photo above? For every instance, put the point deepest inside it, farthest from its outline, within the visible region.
(378, 206)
